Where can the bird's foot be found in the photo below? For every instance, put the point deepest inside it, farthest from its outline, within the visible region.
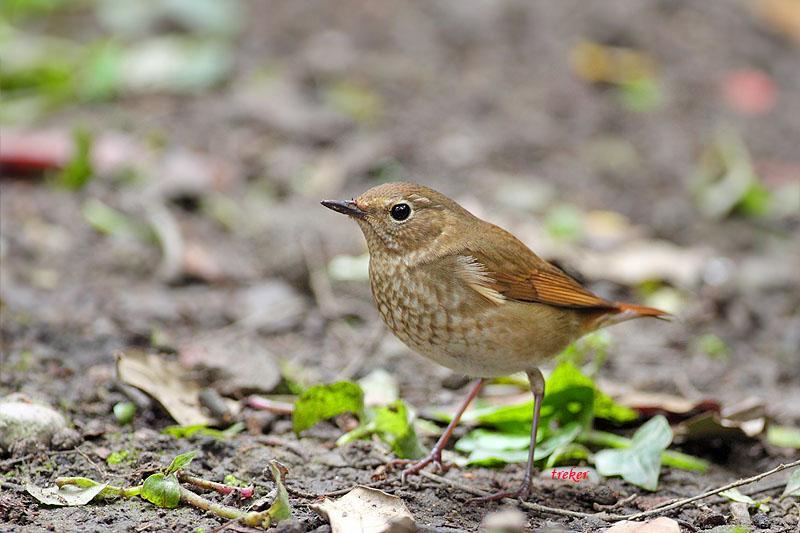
(413, 468)
(521, 494)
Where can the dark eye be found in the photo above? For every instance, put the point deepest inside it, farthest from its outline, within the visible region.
(400, 212)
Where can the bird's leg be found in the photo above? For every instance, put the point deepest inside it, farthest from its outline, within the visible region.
(537, 388)
(435, 456)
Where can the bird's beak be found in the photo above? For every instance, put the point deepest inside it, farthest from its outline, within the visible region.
(346, 207)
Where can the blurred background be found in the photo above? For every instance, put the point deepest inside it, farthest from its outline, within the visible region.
(162, 164)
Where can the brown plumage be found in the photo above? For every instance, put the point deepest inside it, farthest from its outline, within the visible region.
(468, 294)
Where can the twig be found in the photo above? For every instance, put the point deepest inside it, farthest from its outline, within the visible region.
(616, 505)
(614, 517)
(12, 486)
(97, 467)
(685, 501)
(245, 492)
(527, 505)
(265, 404)
(11, 462)
(248, 518)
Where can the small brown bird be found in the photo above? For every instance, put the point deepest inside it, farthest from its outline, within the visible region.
(470, 296)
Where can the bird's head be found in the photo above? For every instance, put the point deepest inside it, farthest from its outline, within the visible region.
(405, 218)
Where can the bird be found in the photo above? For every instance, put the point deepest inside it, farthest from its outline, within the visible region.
(472, 297)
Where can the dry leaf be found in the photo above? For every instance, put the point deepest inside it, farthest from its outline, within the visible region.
(162, 380)
(744, 420)
(366, 510)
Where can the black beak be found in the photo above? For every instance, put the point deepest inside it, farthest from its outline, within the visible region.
(346, 207)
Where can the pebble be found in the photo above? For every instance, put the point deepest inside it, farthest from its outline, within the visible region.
(22, 420)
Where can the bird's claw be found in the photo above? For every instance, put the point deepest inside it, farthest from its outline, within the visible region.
(415, 467)
(520, 494)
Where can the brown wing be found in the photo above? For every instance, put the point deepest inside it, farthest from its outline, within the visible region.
(538, 281)
(510, 269)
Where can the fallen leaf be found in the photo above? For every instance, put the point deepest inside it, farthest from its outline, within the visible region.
(742, 421)
(280, 509)
(66, 495)
(735, 495)
(672, 406)
(784, 436)
(366, 510)
(639, 464)
(326, 401)
(793, 485)
(658, 525)
(162, 379)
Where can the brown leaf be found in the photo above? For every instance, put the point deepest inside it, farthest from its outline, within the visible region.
(162, 379)
(367, 510)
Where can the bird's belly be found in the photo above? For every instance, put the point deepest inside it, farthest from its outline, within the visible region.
(459, 329)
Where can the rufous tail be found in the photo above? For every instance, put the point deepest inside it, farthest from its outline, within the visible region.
(622, 312)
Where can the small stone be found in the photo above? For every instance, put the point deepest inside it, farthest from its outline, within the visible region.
(740, 513)
(761, 520)
(22, 420)
(505, 521)
(709, 518)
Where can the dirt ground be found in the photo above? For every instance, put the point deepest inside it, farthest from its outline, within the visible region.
(476, 99)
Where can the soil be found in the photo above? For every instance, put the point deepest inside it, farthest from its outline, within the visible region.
(472, 97)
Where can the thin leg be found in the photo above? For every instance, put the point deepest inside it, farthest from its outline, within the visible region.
(537, 388)
(435, 456)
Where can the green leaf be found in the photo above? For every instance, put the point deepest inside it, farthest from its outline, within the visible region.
(567, 453)
(639, 464)
(569, 397)
(793, 485)
(607, 409)
(784, 436)
(110, 221)
(187, 432)
(115, 458)
(668, 457)
(181, 461)
(642, 94)
(393, 425)
(491, 448)
(77, 494)
(280, 509)
(326, 401)
(162, 490)
(78, 170)
(124, 412)
(735, 495)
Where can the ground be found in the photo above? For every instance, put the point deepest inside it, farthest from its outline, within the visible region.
(478, 99)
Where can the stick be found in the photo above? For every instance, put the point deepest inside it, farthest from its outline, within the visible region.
(712, 492)
(526, 505)
(613, 517)
(244, 492)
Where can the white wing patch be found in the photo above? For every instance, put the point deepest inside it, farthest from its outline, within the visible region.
(478, 278)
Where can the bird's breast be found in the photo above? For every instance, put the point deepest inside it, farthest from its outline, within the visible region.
(440, 317)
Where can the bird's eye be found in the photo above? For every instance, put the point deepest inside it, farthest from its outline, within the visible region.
(400, 212)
